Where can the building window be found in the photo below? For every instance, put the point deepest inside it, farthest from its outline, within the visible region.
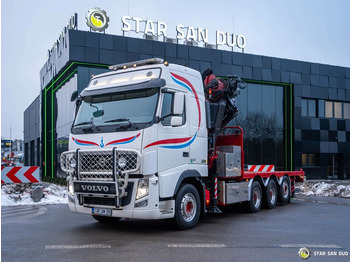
(312, 108)
(261, 116)
(347, 110)
(332, 109)
(329, 109)
(321, 108)
(308, 107)
(310, 159)
(338, 113)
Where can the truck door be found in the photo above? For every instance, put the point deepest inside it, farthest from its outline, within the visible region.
(173, 147)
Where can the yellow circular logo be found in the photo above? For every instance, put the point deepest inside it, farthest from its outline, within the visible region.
(304, 253)
(97, 19)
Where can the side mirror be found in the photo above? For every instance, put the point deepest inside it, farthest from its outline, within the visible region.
(176, 121)
(98, 113)
(74, 96)
(178, 106)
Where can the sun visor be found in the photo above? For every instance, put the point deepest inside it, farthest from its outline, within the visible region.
(156, 82)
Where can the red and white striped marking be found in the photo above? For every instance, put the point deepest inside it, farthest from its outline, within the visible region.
(261, 168)
(216, 187)
(20, 174)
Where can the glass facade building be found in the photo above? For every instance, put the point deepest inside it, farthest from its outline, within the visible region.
(262, 119)
(294, 114)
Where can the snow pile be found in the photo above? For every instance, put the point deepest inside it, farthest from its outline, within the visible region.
(325, 189)
(20, 194)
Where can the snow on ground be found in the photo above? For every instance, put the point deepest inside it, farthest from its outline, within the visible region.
(324, 189)
(20, 194)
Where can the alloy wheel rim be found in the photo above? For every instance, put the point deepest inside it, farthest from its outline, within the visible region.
(188, 207)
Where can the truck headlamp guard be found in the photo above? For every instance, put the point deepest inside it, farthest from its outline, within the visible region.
(104, 165)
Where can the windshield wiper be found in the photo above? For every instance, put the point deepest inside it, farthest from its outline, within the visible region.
(119, 120)
(128, 125)
(91, 128)
(82, 123)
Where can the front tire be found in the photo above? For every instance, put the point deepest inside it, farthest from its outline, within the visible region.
(187, 207)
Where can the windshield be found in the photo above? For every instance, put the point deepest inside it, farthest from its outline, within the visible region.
(113, 112)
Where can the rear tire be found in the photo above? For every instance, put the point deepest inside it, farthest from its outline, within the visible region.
(284, 192)
(254, 205)
(106, 220)
(187, 207)
(271, 195)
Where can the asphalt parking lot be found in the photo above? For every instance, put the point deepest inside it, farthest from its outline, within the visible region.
(54, 234)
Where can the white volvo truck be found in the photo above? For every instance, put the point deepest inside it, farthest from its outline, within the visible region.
(142, 146)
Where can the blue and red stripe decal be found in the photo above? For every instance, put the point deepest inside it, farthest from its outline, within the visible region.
(180, 142)
(187, 84)
(84, 142)
(114, 142)
(124, 140)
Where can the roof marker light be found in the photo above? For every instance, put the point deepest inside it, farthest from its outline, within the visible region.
(137, 63)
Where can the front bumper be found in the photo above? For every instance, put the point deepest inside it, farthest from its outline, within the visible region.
(153, 210)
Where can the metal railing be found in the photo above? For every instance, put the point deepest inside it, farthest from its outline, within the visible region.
(104, 165)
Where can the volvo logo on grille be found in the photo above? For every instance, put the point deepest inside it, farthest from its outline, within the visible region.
(103, 188)
(95, 188)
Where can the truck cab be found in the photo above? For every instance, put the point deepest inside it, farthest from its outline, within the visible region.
(139, 133)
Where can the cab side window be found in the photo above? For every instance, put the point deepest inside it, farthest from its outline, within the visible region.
(168, 100)
(167, 107)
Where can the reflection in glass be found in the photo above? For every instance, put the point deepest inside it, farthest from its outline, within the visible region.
(347, 110)
(338, 110)
(321, 108)
(329, 109)
(303, 107)
(312, 108)
(261, 117)
(304, 159)
(135, 106)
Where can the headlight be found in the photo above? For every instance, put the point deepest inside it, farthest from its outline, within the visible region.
(122, 162)
(72, 163)
(142, 189)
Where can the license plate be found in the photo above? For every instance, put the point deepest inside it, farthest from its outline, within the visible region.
(101, 211)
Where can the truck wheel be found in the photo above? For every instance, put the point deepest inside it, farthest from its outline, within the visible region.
(254, 205)
(284, 192)
(271, 195)
(187, 207)
(106, 220)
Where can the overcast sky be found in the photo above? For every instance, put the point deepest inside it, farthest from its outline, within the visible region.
(312, 30)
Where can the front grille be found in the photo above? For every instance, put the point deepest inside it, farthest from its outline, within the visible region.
(102, 201)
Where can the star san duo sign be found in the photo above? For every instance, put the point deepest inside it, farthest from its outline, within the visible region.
(97, 20)
(189, 33)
